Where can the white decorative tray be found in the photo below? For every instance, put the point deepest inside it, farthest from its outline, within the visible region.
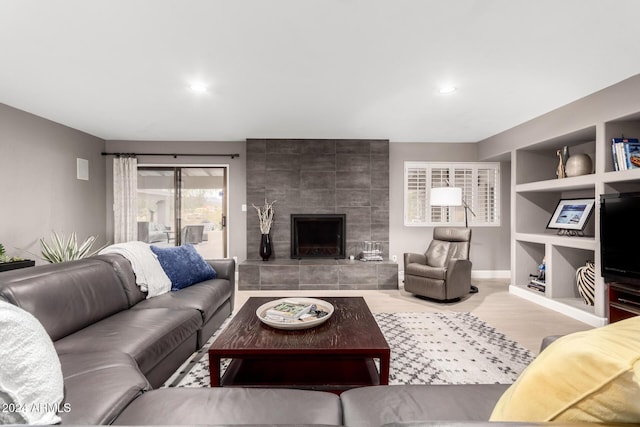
(292, 324)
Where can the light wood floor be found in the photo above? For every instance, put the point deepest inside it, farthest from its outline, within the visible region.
(518, 319)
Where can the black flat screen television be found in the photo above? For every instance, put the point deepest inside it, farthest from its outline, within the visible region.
(619, 237)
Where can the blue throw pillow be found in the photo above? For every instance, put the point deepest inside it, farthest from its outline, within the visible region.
(184, 265)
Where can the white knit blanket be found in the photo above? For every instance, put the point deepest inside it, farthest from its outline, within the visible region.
(31, 384)
(150, 277)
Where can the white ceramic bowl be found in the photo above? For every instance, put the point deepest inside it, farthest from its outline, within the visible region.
(295, 324)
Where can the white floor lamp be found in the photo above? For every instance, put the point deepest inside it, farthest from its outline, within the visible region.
(450, 196)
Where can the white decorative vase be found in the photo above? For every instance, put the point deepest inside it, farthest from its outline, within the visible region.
(586, 281)
(578, 164)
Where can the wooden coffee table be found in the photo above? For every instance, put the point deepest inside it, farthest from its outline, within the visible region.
(334, 356)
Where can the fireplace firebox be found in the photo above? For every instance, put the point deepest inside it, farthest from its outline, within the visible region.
(318, 236)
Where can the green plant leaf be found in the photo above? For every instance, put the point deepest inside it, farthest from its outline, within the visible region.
(63, 248)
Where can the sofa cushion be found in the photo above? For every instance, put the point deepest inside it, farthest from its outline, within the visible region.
(228, 406)
(31, 385)
(184, 265)
(590, 376)
(147, 335)
(86, 291)
(225, 269)
(149, 274)
(206, 297)
(378, 405)
(98, 386)
(124, 271)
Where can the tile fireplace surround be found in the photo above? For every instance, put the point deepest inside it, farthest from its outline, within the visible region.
(313, 176)
(317, 274)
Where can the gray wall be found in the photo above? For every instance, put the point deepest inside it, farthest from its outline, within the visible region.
(490, 246)
(40, 192)
(616, 101)
(236, 219)
(319, 176)
(38, 158)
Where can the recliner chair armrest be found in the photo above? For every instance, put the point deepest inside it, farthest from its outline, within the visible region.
(458, 277)
(411, 257)
(458, 264)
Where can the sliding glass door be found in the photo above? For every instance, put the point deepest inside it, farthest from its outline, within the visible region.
(184, 205)
(203, 206)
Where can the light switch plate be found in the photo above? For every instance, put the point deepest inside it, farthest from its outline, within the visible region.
(82, 169)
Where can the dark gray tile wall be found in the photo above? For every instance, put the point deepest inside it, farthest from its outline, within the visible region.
(319, 176)
(317, 274)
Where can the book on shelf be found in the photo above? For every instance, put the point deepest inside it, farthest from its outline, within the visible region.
(632, 150)
(626, 153)
(537, 284)
(537, 287)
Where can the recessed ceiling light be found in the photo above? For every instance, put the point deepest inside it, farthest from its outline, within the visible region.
(447, 89)
(198, 87)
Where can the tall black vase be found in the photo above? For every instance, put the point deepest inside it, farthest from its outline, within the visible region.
(265, 247)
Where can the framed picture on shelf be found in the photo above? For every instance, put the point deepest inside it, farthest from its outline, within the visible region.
(571, 214)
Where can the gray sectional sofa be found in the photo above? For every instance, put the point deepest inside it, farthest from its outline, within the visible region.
(113, 343)
(116, 348)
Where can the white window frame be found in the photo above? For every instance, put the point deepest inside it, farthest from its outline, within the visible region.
(462, 174)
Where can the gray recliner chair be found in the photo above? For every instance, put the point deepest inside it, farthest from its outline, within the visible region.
(444, 271)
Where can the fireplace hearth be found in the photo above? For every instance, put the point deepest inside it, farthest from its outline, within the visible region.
(318, 236)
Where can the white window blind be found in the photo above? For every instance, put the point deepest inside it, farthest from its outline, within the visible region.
(480, 183)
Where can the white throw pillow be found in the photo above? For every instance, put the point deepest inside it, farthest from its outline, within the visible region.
(31, 383)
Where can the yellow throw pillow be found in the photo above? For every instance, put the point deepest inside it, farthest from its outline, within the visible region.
(591, 376)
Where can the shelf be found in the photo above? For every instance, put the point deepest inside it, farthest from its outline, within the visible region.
(621, 176)
(582, 182)
(539, 162)
(535, 195)
(572, 307)
(587, 243)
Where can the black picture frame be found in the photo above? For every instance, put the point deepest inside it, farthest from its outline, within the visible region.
(571, 214)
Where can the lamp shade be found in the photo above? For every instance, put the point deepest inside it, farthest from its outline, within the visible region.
(446, 196)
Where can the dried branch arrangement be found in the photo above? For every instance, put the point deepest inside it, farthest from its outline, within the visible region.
(265, 215)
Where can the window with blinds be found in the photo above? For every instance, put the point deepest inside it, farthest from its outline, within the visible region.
(480, 184)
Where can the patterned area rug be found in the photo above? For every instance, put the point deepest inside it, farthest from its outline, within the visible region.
(426, 348)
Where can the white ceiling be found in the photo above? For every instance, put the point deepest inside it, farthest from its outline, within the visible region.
(121, 69)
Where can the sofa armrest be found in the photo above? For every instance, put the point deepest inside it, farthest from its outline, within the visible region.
(226, 268)
(412, 257)
(548, 340)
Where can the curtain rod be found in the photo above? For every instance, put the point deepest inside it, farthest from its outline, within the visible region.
(174, 155)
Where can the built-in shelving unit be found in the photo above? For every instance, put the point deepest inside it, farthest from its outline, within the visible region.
(535, 193)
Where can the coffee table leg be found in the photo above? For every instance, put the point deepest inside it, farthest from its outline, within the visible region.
(214, 370)
(385, 360)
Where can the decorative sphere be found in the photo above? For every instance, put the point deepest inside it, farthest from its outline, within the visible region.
(578, 164)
